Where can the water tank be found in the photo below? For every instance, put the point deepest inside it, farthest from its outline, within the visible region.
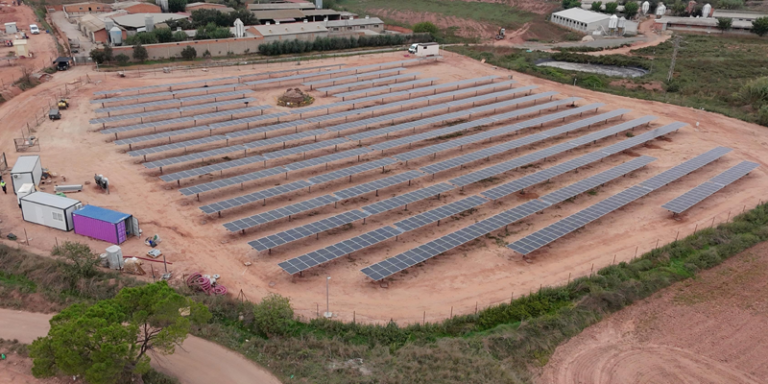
(661, 9)
(645, 7)
(116, 36)
(705, 12)
(103, 260)
(108, 24)
(149, 23)
(319, 4)
(115, 257)
(622, 23)
(613, 21)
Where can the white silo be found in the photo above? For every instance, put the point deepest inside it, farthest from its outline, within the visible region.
(149, 23)
(622, 23)
(239, 28)
(116, 36)
(661, 9)
(163, 4)
(115, 257)
(319, 4)
(645, 7)
(705, 12)
(613, 22)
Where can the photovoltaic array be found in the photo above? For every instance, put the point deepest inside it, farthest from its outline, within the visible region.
(300, 232)
(687, 200)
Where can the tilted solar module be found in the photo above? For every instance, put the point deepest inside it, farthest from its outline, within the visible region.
(327, 159)
(196, 156)
(218, 167)
(179, 145)
(284, 139)
(685, 168)
(279, 213)
(365, 91)
(223, 183)
(160, 112)
(179, 101)
(352, 77)
(375, 185)
(262, 129)
(185, 119)
(343, 248)
(250, 198)
(343, 70)
(687, 200)
(300, 232)
(407, 198)
(440, 213)
(169, 93)
(432, 149)
(371, 82)
(305, 148)
(353, 170)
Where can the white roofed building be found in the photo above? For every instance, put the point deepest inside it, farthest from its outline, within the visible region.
(580, 20)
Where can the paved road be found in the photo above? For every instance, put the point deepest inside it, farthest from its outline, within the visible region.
(197, 361)
(70, 30)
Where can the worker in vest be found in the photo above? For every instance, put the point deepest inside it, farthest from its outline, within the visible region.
(2, 185)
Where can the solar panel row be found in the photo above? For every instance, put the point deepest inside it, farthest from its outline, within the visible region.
(335, 71)
(353, 170)
(335, 80)
(254, 197)
(373, 82)
(304, 148)
(218, 184)
(182, 144)
(173, 94)
(387, 88)
(179, 111)
(279, 213)
(687, 200)
(187, 119)
(375, 185)
(179, 101)
(440, 213)
(300, 232)
(218, 167)
(407, 198)
(327, 159)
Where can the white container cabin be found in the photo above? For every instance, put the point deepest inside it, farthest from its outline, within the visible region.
(49, 210)
(425, 49)
(27, 170)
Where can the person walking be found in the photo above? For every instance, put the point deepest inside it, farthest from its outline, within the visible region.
(2, 185)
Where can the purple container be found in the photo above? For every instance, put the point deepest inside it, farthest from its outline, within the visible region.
(101, 223)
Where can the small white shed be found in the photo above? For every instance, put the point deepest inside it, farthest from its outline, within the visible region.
(427, 49)
(49, 210)
(11, 28)
(27, 170)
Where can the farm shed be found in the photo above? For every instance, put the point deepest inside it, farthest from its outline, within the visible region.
(105, 224)
(581, 20)
(49, 210)
(27, 170)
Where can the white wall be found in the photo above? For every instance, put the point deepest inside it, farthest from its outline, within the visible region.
(44, 215)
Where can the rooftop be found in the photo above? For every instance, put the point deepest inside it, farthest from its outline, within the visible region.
(353, 22)
(702, 22)
(50, 200)
(101, 214)
(737, 14)
(279, 14)
(136, 20)
(278, 6)
(289, 29)
(582, 15)
(91, 23)
(25, 163)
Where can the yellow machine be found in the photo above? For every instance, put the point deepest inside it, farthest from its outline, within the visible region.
(63, 104)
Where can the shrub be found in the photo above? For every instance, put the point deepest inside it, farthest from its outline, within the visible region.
(592, 81)
(730, 4)
(140, 53)
(724, 23)
(80, 261)
(189, 53)
(179, 36)
(122, 59)
(630, 9)
(673, 87)
(425, 27)
(755, 92)
(571, 4)
(762, 116)
(610, 8)
(596, 6)
(98, 56)
(177, 5)
(760, 26)
(273, 316)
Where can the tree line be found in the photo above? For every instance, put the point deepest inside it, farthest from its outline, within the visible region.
(337, 43)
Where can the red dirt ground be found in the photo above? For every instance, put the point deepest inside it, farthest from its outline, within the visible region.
(712, 329)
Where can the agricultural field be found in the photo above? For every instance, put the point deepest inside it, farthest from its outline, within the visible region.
(468, 21)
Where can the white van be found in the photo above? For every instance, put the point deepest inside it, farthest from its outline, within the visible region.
(34, 29)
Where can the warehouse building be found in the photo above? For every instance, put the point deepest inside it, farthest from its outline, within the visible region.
(581, 20)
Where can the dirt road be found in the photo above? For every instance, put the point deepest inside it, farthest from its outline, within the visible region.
(197, 361)
(708, 330)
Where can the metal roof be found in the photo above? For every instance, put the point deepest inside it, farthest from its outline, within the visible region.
(25, 163)
(91, 23)
(101, 214)
(279, 14)
(746, 16)
(276, 6)
(582, 15)
(51, 200)
(702, 22)
(136, 20)
(353, 22)
(320, 12)
(290, 29)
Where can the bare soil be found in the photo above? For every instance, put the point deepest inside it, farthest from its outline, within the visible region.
(708, 330)
(476, 275)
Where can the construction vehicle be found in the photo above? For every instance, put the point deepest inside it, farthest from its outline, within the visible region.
(501, 34)
(54, 114)
(63, 103)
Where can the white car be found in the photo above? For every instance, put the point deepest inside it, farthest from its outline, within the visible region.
(34, 29)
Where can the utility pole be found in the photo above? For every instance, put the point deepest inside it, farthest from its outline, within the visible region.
(676, 41)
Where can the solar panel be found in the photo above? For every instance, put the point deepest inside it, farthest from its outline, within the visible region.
(327, 159)
(372, 82)
(204, 81)
(375, 185)
(448, 116)
(197, 156)
(284, 139)
(353, 170)
(440, 213)
(180, 101)
(335, 80)
(343, 70)
(250, 198)
(263, 129)
(388, 87)
(547, 152)
(298, 233)
(218, 167)
(433, 88)
(687, 200)
(179, 145)
(186, 119)
(647, 136)
(207, 90)
(305, 148)
(392, 265)
(142, 115)
(223, 183)
(685, 168)
(343, 248)
(514, 128)
(407, 198)
(279, 213)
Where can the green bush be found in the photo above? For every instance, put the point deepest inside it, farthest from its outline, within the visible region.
(596, 6)
(140, 53)
(122, 59)
(425, 27)
(592, 82)
(610, 8)
(189, 53)
(755, 92)
(273, 316)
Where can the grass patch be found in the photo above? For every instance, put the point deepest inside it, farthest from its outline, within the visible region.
(498, 344)
(8, 347)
